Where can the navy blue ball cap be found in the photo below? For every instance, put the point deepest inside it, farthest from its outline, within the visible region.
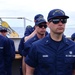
(37, 16)
(40, 20)
(73, 36)
(3, 29)
(56, 13)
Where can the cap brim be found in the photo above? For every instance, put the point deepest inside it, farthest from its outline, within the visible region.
(37, 23)
(66, 17)
(62, 16)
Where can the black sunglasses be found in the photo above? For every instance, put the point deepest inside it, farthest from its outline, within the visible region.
(3, 30)
(40, 26)
(57, 20)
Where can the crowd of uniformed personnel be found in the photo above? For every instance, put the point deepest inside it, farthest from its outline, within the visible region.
(42, 53)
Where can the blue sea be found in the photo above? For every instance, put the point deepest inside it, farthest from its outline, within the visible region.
(20, 30)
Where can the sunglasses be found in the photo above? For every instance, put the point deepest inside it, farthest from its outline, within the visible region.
(3, 30)
(57, 20)
(40, 26)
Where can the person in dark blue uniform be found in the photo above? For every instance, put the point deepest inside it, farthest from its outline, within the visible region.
(5, 56)
(54, 54)
(73, 37)
(20, 51)
(3, 32)
(40, 27)
(29, 33)
(29, 30)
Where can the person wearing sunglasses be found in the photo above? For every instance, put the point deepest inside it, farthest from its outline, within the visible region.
(40, 28)
(54, 54)
(11, 53)
(30, 31)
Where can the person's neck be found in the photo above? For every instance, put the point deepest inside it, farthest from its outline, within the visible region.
(40, 36)
(56, 37)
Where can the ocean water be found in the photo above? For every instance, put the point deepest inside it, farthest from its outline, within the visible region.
(20, 30)
(69, 31)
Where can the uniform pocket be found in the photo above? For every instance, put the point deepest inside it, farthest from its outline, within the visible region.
(46, 63)
(46, 59)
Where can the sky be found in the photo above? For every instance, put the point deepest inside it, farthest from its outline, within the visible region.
(29, 8)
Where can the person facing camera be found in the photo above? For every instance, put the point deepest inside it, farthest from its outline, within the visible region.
(40, 28)
(54, 54)
(30, 31)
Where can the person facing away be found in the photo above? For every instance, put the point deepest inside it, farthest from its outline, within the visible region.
(73, 37)
(54, 54)
(3, 32)
(40, 27)
(5, 56)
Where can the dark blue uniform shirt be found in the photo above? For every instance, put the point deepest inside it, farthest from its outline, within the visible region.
(28, 31)
(28, 44)
(21, 46)
(12, 49)
(5, 56)
(47, 59)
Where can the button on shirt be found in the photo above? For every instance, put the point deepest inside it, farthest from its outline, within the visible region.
(48, 60)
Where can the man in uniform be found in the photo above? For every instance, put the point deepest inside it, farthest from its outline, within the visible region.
(5, 56)
(3, 32)
(54, 54)
(40, 28)
(30, 31)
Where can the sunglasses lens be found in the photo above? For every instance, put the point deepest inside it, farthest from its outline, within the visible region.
(3, 31)
(45, 26)
(63, 21)
(56, 21)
